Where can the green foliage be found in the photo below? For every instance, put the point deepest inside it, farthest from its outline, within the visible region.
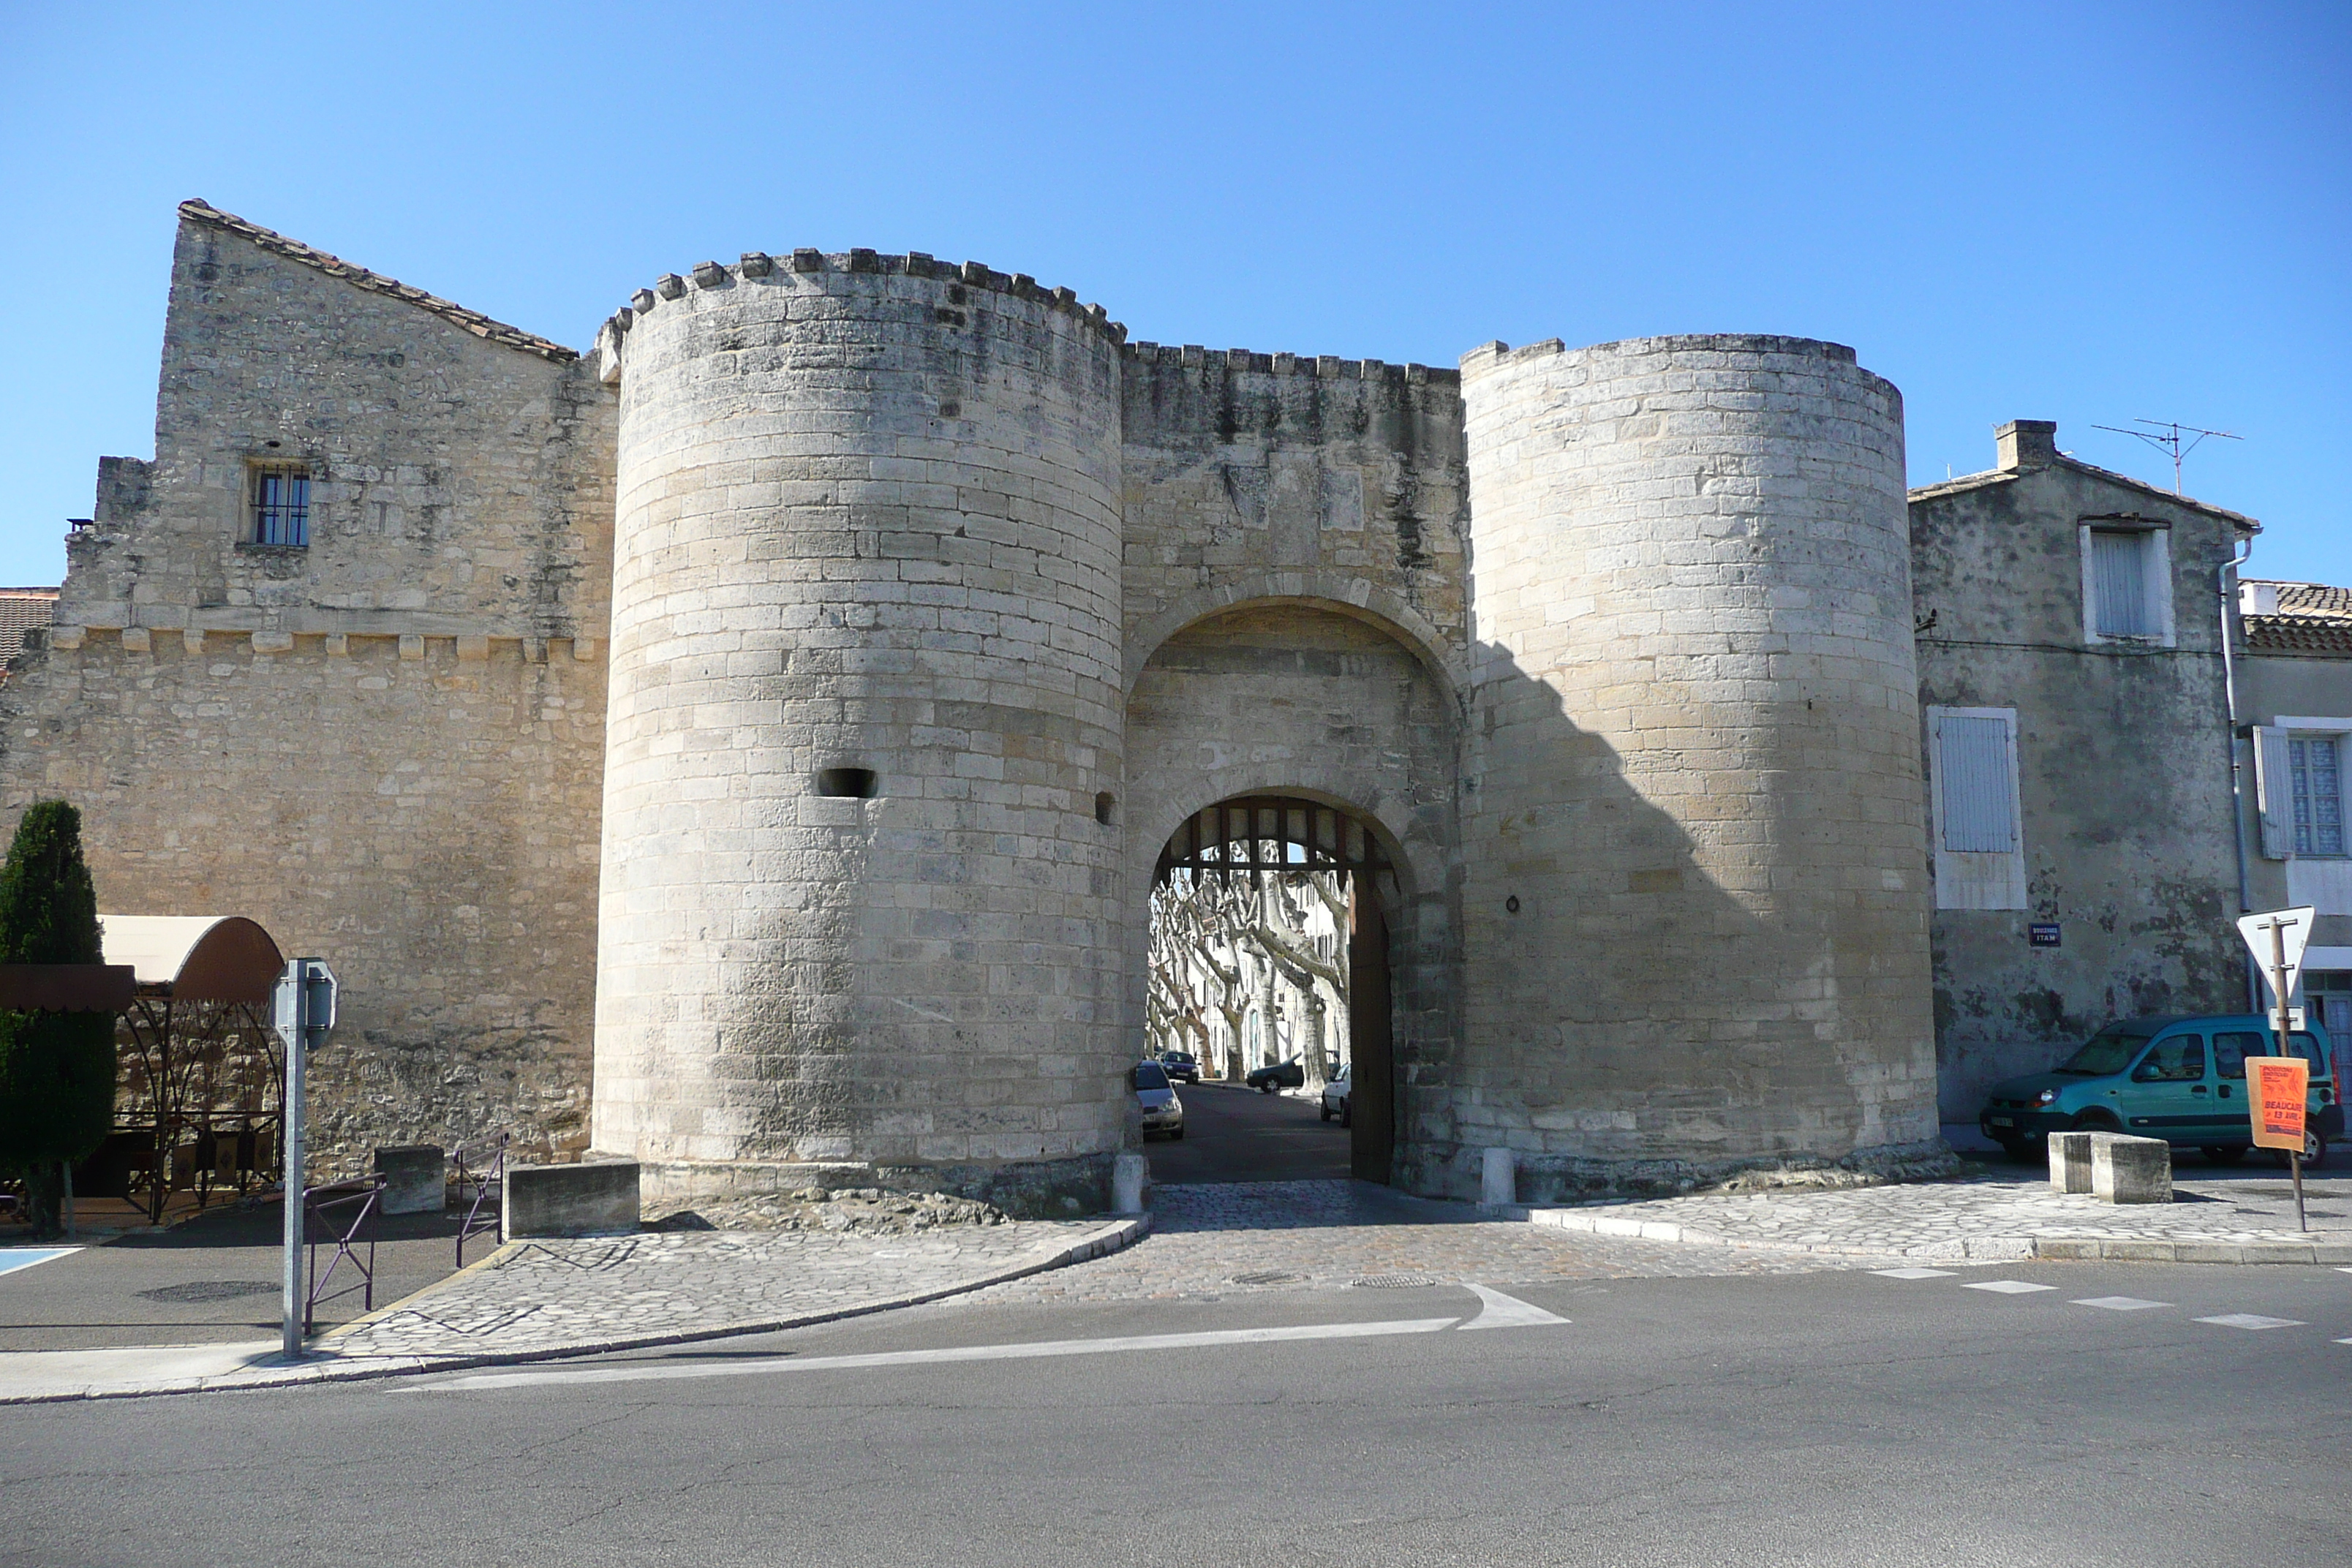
(57, 1069)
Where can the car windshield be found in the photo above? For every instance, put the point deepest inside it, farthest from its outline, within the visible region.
(2109, 1051)
(1148, 1074)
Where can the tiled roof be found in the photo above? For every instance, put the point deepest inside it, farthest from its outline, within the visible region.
(2312, 618)
(22, 609)
(200, 211)
(1966, 482)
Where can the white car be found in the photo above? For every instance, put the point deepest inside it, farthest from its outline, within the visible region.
(1162, 1112)
(1335, 1098)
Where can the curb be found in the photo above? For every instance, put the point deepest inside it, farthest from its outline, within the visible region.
(1123, 1232)
(1982, 1249)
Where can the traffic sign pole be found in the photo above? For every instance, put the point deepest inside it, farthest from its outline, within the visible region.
(303, 1011)
(298, 1046)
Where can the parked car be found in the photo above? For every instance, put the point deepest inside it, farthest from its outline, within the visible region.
(1335, 1098)
(1162, 1112)
(2180, 1080)
(1278, 1075)
(1179, 1066)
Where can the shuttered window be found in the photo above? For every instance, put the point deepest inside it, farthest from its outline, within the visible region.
(2122, 578)
(2318, 795)
(1978, 785)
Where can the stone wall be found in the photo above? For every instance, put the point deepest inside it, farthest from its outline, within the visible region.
(2123, 768)
(1694, 909)
(869, 520)
(385, 746)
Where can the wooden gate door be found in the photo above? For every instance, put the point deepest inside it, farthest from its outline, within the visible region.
(1373, 1076)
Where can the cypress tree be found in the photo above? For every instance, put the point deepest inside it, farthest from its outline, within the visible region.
(57, 1069)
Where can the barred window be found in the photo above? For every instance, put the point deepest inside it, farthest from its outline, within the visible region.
(282, 506)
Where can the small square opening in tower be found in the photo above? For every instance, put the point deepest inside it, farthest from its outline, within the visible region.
(1106, 808)
(851, 784)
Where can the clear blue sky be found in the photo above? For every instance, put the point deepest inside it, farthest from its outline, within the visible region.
(2084, 213)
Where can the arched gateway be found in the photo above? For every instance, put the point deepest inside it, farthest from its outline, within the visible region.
(1265, 836)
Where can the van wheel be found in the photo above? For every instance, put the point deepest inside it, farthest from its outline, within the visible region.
(2097, 1121)
(1347, 1114)
(2017, 1148)
(2314, 1153)
(1323, 1113)
(1176, 1136)
(2223, 1153)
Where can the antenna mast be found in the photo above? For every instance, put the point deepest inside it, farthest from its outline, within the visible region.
(2167, 436)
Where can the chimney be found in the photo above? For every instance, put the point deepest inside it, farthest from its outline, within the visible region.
(2026, 444)
(2258, 598)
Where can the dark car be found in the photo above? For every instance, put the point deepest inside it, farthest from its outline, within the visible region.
(1179, 1066)
(1280, 1075)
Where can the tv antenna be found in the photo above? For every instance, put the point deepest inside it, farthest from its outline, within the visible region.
(2172, 438)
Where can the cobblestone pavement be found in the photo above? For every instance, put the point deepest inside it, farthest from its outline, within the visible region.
(567, 1297)
(2222, 1219)
(1211, 1241)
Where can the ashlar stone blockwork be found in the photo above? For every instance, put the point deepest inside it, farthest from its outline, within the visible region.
(792, 697)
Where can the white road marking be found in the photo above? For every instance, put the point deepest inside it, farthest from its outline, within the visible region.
(1913, 1273)
(2252, 1320)
(647, 1372)
(2119, 1303)
(2007, 1286)
(15, 1258)
(1503, 1311)
(2344, 1342)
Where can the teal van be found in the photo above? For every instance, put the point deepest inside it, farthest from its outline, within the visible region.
(2180, 1080)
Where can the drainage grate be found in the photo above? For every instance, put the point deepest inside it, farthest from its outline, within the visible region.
(1268, 1277)
(1393, 1281)
(209, 1290)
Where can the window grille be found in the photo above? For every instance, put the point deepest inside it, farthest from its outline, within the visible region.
(2318, 795)
(2121, 605)
(281, 507)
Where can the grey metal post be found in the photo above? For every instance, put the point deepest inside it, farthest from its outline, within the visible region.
(2278, 984)
(297, 1047)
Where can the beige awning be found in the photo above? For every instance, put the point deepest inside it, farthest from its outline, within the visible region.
(198, 958)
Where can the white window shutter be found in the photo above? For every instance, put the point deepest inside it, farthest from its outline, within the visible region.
(2119, 572)
(2274, 791)
(1978, 798)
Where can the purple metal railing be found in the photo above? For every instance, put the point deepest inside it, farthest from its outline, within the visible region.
(325, 1211)
(486, 1185)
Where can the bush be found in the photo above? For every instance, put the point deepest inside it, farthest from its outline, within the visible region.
(57, 1069)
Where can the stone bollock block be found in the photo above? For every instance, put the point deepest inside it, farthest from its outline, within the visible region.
(416, 1178)
(2127, 1170)
(597, 1198)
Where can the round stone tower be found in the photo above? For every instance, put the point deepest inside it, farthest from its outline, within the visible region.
(859, 883)
(1694, 901)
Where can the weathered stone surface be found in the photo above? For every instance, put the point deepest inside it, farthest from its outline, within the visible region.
(2069, 1161)
(1693, 918)
(594, 1198)
(2127, 1170)
(415, 1179)
(936, 607)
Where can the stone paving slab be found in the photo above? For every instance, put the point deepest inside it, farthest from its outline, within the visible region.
(2000, 1218)
(1209, 1242)
(537, 1299)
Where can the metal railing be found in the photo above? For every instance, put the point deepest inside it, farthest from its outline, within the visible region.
(334, 1215)
(485, 1183)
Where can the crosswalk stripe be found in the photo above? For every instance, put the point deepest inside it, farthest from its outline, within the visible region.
(2007, 1286)
(2252, 1320)
(2118, 1303)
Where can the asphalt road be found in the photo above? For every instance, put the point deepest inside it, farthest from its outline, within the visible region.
(1235, 1134)
(214, 1280)
(1832, 1419)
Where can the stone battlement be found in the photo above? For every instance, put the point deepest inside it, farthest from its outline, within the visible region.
(755, 265)
(1327, 367)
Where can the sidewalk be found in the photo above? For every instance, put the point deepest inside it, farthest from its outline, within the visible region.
(2224, 1216)
(535, 1299)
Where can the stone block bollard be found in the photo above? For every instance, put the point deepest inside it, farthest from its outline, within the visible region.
(2069, 1161)
(595, 1197)
(1499, 1185)
(1128, 1175)
(415, 1179)
(2126, 1170)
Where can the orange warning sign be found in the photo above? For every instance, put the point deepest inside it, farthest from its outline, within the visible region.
(2277, 1086)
